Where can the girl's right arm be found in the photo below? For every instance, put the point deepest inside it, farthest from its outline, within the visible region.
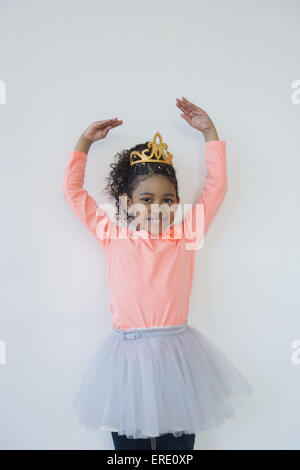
(83, 205)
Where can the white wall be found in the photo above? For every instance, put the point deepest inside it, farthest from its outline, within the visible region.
(68, 63)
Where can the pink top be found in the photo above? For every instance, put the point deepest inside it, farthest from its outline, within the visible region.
(150, 277)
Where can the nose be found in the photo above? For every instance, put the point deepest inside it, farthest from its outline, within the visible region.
(158, 212)
(155, 213)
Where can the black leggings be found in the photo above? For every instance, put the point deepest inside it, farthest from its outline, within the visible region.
(162, 442)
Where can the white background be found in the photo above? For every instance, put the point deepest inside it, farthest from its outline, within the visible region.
(68, 63)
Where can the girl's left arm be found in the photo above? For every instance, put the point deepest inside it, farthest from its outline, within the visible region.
(200, 216)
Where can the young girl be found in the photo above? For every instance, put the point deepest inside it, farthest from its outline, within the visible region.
(155, 380)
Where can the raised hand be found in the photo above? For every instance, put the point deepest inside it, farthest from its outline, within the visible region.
(194, 115)
(99, 129)
(96, 131)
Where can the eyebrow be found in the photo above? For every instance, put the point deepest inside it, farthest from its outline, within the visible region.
(151, 194)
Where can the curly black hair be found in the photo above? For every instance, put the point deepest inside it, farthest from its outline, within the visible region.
(124, 178)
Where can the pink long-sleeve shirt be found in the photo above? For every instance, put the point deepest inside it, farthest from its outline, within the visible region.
(150, 277)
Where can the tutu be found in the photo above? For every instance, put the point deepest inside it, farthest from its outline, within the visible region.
(145, 382)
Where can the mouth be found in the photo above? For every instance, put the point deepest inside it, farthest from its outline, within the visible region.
(155, 221)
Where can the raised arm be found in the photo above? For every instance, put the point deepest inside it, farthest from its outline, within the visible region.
(200, 216)
(83, 205)
(198, 219)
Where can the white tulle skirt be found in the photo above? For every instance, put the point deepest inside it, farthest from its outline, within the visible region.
(146, 382)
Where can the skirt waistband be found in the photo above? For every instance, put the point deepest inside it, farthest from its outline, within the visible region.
(133, 333)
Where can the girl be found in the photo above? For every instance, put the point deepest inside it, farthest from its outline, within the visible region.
(155, 381)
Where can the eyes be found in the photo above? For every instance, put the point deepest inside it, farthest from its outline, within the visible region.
(147, 198)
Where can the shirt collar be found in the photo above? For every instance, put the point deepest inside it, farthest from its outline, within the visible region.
(169, 233)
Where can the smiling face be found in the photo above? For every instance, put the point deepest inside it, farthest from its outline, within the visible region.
(154, 204)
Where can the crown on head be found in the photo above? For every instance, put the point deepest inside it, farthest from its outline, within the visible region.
(157, 154)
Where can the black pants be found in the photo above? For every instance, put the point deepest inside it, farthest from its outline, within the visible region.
(163, 442)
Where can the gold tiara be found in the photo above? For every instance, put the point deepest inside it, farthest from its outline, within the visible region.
(157, 155)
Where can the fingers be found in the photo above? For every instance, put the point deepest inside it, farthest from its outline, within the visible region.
(187, 118)
(184, 107)
(187, 106)
(112, 124)
(108, 122)
(187, 101)
(117, 123)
